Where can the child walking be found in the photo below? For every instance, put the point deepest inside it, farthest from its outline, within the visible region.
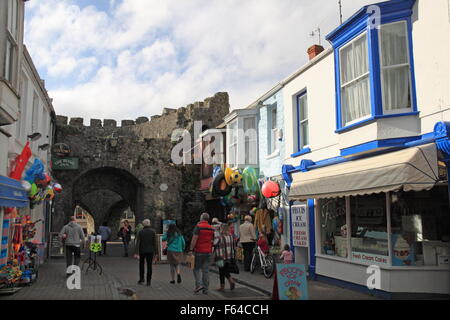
(287, 255)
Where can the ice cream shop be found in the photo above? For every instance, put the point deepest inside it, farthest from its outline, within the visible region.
(389, 210)
(368, 150)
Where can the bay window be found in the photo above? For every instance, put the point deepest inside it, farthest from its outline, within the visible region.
(250, 136)
(12, 18)
(395, 74)
(374, 66)
(9, 61)
(232, 144)
(242, 138)
(355, 81)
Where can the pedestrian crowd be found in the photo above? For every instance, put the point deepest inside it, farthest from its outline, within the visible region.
(211, 243)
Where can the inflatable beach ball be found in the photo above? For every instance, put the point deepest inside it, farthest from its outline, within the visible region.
(236, 177)
(270, 189)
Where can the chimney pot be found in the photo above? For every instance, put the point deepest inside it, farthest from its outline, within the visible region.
(314, 51)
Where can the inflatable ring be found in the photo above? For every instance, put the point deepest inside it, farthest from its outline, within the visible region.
(220, 186)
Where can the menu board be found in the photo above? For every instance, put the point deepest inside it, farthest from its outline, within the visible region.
(299, 226)
(56, 248)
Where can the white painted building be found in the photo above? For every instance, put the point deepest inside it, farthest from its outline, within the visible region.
(372, 163)
(25, 107)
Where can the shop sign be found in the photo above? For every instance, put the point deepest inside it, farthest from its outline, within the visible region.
(299, 225)
(65, 164)
(376, 259)
(61, 149)
(290, 282)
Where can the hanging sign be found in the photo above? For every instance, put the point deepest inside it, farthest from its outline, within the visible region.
(300, 225)
(61, 149)
(290, 282)
(65, 164)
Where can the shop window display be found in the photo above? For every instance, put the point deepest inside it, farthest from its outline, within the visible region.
(334, 228)
(421, 228)
(369, 238)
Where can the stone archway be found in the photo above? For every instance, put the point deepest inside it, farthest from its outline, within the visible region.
(103, 192)
(107, 187)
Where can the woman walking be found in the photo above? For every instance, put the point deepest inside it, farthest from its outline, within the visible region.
(175, 249)
(225, 252)
(125, 234)
(247, 238)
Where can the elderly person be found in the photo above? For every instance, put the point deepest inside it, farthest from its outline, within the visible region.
(247, 237)
(145, 251)
(202, 245)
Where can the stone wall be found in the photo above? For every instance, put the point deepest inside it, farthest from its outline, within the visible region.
(135, 156)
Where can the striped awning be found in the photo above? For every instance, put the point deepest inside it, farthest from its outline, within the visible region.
(12, 194)
(411, 169)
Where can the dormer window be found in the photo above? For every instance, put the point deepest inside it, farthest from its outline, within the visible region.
(374, 65)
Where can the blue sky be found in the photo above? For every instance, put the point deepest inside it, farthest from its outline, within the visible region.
(122, 59)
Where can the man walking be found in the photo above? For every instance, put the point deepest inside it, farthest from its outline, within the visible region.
(105, 233)
(72, 236)
(201, 245)
(145, 251)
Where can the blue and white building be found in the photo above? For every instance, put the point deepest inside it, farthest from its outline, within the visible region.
(367, 149)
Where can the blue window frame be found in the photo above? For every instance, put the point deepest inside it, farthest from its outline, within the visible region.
(302, 125)
(391, 84)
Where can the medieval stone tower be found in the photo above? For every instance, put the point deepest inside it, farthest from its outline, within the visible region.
(130, 166)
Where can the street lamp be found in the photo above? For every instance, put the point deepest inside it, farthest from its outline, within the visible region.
(44, 147)
(35, 136)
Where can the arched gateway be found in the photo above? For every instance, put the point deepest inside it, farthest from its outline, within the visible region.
(129, 167)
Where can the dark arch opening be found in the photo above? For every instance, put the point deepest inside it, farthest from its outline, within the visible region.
(107, 192)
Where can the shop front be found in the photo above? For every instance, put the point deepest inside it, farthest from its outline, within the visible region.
(391, 211)
(12, 197)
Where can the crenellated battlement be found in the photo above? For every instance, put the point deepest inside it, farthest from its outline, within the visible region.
(209, 107)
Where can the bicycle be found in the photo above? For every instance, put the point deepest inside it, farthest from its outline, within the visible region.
(265, 261)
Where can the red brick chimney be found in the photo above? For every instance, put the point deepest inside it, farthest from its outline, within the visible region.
(314, 51)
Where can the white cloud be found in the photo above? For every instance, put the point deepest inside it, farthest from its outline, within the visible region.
(143, 55)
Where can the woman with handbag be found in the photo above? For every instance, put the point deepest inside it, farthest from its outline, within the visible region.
(175, 249)
(225, 256)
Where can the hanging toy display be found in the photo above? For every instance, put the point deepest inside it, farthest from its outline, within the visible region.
(236, 178)
(216, 171)
(270, 189)
(250, 180)
(57, 188)
(228, 174)
(220, 188)
(43, 183)
(26, 185)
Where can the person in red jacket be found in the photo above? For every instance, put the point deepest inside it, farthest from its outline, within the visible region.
(202, 246)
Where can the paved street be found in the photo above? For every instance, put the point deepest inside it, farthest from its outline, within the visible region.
(120, 273)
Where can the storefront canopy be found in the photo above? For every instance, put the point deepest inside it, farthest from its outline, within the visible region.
(12, 194)
(412, 169)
